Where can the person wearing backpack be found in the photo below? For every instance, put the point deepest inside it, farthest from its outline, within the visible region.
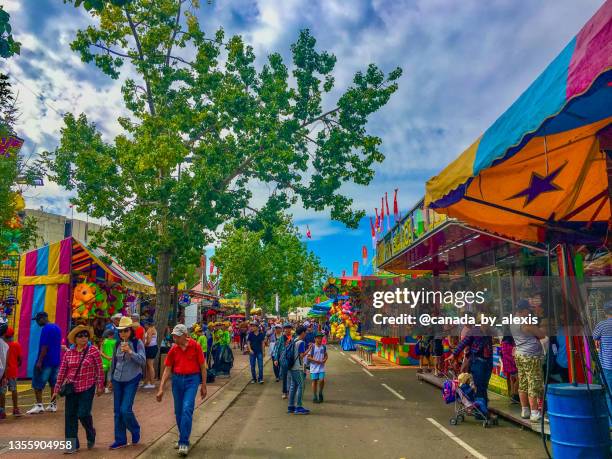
(317, 356)
(279, 358)
(128, 365)
(294, 356)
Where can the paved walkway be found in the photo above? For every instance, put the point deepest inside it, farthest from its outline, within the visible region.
(155, 419)
(382, 414)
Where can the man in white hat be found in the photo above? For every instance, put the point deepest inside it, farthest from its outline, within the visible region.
(186, 364)
(113, 324)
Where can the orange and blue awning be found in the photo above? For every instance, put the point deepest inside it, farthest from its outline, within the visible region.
(542, 162)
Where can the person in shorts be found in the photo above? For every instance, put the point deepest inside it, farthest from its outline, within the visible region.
(47, 362)
(317, 356)
(509, 367)
(151, 350)
(8, 382)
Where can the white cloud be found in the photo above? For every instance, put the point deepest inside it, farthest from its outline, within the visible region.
(464, 63)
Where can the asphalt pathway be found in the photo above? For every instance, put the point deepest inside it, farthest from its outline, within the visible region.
(377, 414)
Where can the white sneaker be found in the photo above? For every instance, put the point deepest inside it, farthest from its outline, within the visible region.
(183, 450)
(176, 445)
(535, 416)
(525, 412)
(107, 390)
(51, 407)
(36, 409)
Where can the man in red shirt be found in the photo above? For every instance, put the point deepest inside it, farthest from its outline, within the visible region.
(9, 380)
(185, 362)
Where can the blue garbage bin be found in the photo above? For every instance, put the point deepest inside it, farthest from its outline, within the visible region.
(578, 417)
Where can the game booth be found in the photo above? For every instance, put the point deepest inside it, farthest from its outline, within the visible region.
(73, 282)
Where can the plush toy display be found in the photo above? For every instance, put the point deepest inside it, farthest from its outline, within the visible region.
(83, 300)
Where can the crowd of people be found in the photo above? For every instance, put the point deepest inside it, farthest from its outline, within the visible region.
(122, 360)
(528, 353)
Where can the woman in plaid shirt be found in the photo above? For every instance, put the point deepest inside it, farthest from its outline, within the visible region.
(90, 376)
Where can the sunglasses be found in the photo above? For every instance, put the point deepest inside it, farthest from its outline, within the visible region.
(82, 335)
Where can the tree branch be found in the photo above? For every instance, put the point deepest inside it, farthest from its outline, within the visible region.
(141, 55)
(319, 118)
(176, 29)
(111, 51)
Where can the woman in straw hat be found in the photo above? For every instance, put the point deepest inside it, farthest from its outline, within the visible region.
(80, 374)
(129, 360)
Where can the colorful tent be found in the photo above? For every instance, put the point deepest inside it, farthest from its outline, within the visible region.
(44, 285)
(45, 282)
(541, 165)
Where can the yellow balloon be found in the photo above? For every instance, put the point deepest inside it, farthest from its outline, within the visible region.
(18, 202)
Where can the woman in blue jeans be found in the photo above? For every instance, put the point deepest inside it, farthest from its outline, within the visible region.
(128, 362)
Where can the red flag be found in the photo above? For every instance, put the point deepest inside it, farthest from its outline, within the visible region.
(212, 266)
(308, 233)
(388, 213)
(203, 262)
(377, 219)
(355, 268)
(373, 231)
(364, 255)
(382, 210)
(395, 207)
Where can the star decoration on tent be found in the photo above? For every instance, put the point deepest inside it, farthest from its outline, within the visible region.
(539, 184)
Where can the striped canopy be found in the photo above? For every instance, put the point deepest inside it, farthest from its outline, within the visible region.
(541, 163)
(45, 281)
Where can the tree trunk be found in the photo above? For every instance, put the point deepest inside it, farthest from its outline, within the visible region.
(162, 285)
(247, 308)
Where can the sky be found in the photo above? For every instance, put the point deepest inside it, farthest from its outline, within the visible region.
(464, 63)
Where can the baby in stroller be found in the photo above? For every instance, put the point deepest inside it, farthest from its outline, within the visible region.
(466, 402)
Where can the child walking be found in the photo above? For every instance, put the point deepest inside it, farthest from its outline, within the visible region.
(106, 352)
(317, 358)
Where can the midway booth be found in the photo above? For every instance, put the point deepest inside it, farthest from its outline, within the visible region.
(46, 280)
(540, 174)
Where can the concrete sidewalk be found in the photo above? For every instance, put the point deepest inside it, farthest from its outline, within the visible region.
(156, 419)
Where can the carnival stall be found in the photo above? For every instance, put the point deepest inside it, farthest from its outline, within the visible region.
(70, 282)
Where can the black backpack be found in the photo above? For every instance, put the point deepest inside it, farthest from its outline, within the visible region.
(287, 358)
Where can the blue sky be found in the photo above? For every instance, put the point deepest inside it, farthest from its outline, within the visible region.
(464, 63)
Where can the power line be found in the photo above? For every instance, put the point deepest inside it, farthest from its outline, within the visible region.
(38, 95)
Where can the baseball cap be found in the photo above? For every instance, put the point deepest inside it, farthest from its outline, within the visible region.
(117, 316)
(278, 326)
(320, 334)
(180, 330)
(523, 305)
(9, 332)
(287, 325)
(40, 315)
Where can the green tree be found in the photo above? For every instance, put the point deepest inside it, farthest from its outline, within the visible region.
(266, 262)
(8, 46)
(204, 123)
(12, 170)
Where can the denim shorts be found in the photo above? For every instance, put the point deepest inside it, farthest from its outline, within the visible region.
(45, 375)
(11, 385)
(317, 376)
